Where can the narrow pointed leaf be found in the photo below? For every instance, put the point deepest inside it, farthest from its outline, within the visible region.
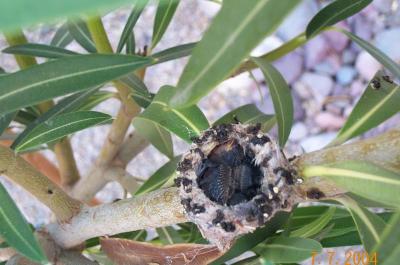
(374, 107)
(80, 33)
(168, 235)
(24, 117)
(62, 37)
(288, 249)
(385, 60)
(5, 120)
(234, 32)
(281, 97)
(165, 12)
(161, 176)
(95, 99)
(61, 126)
(185, 123)
(39, 50)
(370, 226)
(139, 5)
(16, 231)
(315, 226)
(32, 12)
(333, 13)
(173, 53)
(63, 76)
(362, 178)
(140, 93)
(275, 54)
(66, 105)
(131, 44)
(248, 114)
(156, 135)
(388, 249)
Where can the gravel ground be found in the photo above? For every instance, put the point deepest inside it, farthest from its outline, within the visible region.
(327, 77)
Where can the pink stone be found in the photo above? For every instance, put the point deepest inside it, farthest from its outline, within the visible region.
(329, 121)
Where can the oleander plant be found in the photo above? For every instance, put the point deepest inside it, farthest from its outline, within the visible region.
(235, 190)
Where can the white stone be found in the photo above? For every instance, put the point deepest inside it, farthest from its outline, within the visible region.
(367, 65)
(387, 41)
(290, 66)
(316, 50)
(298, 132)
(317, 142)
(297, 21)
(320, 85)
(329, 121)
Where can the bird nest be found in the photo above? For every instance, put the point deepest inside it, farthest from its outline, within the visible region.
(233, 180)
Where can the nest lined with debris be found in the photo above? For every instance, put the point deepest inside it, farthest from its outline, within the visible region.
(233, 180)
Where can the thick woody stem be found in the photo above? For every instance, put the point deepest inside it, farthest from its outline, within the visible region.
(383, 150)
(98, 177)
(156, 209)
(22, 173)
(64, 155)
(89, 186)
(162, 207)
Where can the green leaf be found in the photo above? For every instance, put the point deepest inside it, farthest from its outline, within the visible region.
(165, 12)
(5, 120)
(234, 32)
(95, 99)
(333, 13)
(391, 65)
(16, 231)
(249, 241)
(131, 44)
(39, 50)
(281, 97)
(362, 178)
(369, 225)
(374, 107)
(62, 37)
(156, 135)
(315, 226)
(32, 12)
(66, 105)
(80, 33)
(168, 235)
(388, 249)
(140, 93)
(185, 123)
(2, 72)
(24, 117)
(61, 126)
(252, 261)
(173, 53)
(288, 249)
(248, 114)
(130, 24)
(160, 177)
(63, 76)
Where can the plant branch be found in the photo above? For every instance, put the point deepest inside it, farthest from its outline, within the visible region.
(162, 207)
(98, 177)
(382, 150)
(156, 209)
(90, 185)
(64, 155)
(22, 173)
